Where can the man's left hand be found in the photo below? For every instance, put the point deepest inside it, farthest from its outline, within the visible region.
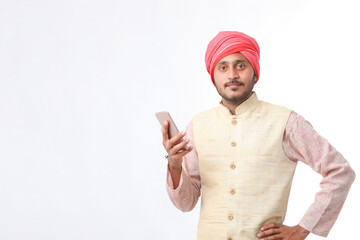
(276, 231)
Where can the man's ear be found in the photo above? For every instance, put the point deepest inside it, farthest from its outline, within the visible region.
(214, 82)
(255, 78)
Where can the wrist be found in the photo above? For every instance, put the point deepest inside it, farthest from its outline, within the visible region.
(304, 232)
(175, 168)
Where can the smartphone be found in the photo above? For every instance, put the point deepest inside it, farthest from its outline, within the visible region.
(173, 130)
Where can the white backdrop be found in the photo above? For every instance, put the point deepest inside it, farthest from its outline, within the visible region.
(80, 81)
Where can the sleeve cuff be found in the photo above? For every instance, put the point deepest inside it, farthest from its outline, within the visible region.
(170, 184)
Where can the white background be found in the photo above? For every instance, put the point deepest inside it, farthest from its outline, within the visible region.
(80, 81)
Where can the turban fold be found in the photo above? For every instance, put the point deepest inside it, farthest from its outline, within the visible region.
(229, 42)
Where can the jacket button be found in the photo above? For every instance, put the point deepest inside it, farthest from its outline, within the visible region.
(233, 144)
(232, 191)
(232, 166)
(230, 217)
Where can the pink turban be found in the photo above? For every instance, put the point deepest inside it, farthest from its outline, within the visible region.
(229, 42)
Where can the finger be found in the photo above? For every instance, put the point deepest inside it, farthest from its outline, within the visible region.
(178, 147)
(176, 139)
(270, 225)
(268, 233)
(168, 146)
(274, 237)
(181, 154)
(165, 131)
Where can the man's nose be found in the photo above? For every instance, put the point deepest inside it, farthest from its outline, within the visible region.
(233, 74)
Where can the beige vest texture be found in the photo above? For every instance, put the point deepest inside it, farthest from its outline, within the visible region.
(245, 175)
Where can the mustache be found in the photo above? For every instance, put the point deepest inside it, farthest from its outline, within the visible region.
(234, 82)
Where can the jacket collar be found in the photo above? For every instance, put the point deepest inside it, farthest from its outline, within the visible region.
(248, 104)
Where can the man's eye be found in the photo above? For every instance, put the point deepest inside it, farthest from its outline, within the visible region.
(240, 66)
(222, 67)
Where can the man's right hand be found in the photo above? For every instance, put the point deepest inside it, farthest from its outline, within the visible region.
(175, 147)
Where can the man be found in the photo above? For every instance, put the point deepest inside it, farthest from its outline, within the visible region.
(243, 154)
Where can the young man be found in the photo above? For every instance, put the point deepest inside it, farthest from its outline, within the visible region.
(243, 154)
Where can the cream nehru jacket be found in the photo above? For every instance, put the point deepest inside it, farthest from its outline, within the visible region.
(245, 175)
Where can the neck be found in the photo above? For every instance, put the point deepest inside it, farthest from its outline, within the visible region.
(231, 105)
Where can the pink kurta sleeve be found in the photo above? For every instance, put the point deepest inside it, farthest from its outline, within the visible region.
(186, 195)
(303, 143)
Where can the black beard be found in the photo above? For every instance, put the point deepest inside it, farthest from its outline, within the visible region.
(239, 99)
(236, 99)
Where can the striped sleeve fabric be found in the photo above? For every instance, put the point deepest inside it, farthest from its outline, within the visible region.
(303, 143)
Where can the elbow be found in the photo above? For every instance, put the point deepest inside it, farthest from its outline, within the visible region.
(184, 210)
(187, 207)
(348, 178)
(188, 204)
(352, 176)
(343, 177)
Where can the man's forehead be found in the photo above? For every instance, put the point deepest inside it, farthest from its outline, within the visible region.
(233, 58)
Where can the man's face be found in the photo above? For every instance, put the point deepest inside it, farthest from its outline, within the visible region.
(234, 78)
